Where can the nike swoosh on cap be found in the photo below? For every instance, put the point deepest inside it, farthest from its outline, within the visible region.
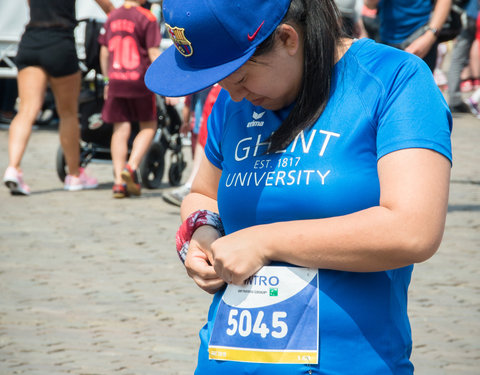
(252, 37)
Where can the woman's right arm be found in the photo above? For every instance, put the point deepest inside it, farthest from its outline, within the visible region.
(203, 196)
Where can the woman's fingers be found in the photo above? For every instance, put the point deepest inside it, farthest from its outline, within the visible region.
(200, 270)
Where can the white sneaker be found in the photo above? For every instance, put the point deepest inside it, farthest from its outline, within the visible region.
(13, 179)
(176, 196)
(473, 107)
(83, 181)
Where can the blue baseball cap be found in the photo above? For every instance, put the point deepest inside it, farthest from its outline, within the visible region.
(211, 40)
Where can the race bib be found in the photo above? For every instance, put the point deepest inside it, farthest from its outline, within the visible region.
(272, 318)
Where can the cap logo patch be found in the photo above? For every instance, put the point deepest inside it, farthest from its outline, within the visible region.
(177, 35)
(252, 37)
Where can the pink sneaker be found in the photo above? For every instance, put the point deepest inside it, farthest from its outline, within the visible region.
(466, 85)
(476, 83)
(13, 179)
(83, 181)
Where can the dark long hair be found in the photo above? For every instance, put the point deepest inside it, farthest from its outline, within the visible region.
(321, 26)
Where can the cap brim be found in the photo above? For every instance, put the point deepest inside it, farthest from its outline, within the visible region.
(169, 75)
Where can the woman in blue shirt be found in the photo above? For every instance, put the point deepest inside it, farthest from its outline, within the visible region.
(325, 179)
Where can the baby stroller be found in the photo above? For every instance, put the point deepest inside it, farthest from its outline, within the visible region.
(96, 135)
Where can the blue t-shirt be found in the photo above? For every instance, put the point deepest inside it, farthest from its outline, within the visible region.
(472, 9)
(400, 18)
(382, 100)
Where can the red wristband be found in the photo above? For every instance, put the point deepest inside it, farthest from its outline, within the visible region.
(189, 226)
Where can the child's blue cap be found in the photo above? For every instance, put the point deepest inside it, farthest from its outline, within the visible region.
(212, 39)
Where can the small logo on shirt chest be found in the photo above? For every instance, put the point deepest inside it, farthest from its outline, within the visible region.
(256, 120)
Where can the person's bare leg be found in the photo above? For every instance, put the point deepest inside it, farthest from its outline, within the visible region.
(176, 196)
(142, 142)
(66, 91)
(466, 73)
(197, 160)
(119, 149)
(475, 60)
(32, 83)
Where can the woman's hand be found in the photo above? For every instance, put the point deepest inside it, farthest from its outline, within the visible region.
(239, 255)
(199, 260)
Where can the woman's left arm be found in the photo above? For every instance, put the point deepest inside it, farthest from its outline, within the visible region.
(405, 228)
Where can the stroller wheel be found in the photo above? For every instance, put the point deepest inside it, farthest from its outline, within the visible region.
(175, 172)
(153, 166)
(61, 164)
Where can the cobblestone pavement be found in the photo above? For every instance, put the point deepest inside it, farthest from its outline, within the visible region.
(92, 285)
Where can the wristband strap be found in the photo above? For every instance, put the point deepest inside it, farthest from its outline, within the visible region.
(106, 80)
(189, 226)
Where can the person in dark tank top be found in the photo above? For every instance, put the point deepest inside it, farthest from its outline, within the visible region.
(52, 13)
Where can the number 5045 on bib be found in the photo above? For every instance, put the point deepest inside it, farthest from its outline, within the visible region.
(272, 318)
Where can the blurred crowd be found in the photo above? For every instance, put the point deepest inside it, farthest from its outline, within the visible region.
(444, 33)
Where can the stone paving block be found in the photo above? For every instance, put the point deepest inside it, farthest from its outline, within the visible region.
(90, 285)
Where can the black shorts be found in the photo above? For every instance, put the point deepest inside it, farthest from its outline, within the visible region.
(53, 49)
